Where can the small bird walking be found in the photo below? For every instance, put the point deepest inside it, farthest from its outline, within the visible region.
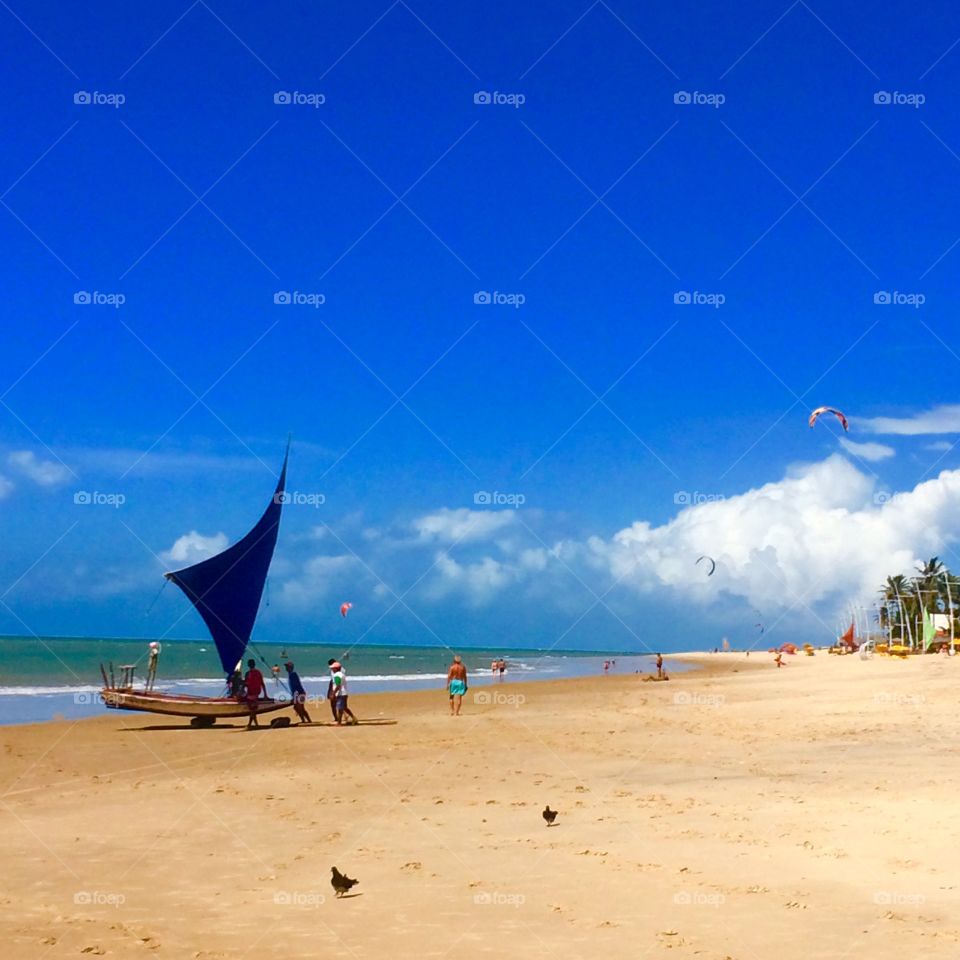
(340, 882)
(549, 815)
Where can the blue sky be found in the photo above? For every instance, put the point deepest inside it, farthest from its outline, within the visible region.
(783, 190)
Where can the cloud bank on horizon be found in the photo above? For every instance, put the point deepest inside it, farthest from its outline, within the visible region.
(815, 540)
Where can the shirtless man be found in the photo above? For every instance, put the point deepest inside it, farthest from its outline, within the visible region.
(256, 689)
(456, 685)
(659, 667)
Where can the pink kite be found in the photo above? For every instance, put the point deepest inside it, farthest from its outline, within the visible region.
(344, 607)
(837, 413)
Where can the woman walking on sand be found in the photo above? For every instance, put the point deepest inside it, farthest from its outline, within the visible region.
(456, 685)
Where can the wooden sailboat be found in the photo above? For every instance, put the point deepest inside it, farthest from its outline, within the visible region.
(226, 590)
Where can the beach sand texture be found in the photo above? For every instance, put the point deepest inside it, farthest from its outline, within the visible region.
(738, 811)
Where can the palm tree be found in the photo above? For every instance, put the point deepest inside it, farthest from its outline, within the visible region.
(898, 591)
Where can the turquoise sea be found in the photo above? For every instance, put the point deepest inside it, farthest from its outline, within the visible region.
(42, 678)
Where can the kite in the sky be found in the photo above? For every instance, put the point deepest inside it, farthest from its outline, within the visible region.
(713, 563)
(837, 413)
(344, 607)
(761, 626)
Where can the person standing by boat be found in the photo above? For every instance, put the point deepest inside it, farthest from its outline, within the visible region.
(297, 692)
(338, 679)
(456, 685)
(152, 663)
(255, 689)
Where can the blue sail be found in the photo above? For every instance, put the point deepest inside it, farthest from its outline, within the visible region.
(226, 589)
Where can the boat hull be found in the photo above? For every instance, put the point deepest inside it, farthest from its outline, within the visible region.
(175, 705)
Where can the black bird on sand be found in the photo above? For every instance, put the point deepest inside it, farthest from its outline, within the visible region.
(340, 882)
(549, 815)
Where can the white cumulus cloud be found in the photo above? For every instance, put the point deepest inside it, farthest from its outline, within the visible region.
(193, 547)
(820, 531)
(941, 419)
(462, 525)
(46, 473)
(867, 451)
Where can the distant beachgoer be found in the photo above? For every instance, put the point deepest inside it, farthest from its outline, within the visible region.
(338, 681)
(255, 689)
(493, 668)
(606, 666)
(152, 663)
(778, 659)
(659, 666)
(457, 685)
(275, 670)
(298, 693)
(235, 682)
(502, 667)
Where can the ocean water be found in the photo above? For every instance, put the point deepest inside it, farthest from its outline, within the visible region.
(45, 678)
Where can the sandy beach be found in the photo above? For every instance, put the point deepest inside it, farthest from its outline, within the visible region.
(735, 811)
